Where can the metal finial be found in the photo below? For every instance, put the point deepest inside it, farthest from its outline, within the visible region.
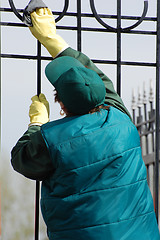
(151, 95)
(139, 103)
(144, 94)
(134, 105)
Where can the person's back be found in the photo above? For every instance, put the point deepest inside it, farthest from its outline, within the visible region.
(99, 186)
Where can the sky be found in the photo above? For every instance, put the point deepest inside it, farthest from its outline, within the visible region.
(18, 77)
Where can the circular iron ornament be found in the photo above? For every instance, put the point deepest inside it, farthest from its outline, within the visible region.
(141, 18)
(99, 19)
(15, 10)
(63, 12)
(115, 29)
(56, 20)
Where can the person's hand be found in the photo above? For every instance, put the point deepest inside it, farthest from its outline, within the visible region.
(44, 29)
(39, 110)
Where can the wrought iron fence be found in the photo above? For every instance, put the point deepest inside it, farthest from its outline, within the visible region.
(144, 117)
(149, 126)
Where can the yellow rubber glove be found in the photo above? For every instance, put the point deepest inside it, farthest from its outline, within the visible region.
(44, 29)
(39, 110)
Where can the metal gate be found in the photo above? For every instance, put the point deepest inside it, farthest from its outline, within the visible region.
(105, 28)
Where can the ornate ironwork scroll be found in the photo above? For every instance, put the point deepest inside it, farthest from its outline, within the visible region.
(119, 30)
(57, 19)
(118, 11)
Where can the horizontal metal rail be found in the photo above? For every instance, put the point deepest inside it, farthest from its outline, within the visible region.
(90, 15)
(32, 57)
(154, 33)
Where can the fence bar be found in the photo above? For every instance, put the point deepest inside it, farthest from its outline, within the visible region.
(0, 85)
(36, 231)
(91, 29)
(99, 61)
(119, 47)
(37, 182)
(79, 27)
(0, 130)
(157, 114)
(154, 19)
(38, 67)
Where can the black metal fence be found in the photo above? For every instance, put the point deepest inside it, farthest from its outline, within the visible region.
(149, 126)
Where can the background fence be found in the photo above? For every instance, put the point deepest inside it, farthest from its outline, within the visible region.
(144, 117)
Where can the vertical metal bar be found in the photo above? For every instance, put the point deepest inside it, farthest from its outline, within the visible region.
(119, 47)
(157, 114)
(134, 107)
(0, 82)
(38, 67)
(145, 130)
(133, 116)
(146, 126)
(37, 182)
(37, 211)
(79, 31)
(151, 124)
(140, 122)
(148, 175)
(0, 122)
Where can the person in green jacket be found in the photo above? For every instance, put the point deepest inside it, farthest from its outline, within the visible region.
(94, 183)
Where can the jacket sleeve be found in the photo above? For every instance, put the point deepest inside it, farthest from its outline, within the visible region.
(112, 98)
(30, 156)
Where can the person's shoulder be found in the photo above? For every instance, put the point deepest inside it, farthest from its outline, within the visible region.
(117, 116)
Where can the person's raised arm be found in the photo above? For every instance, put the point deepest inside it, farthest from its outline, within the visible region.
(44, 29)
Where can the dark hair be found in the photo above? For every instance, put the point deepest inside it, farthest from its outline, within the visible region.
(56, 98)
(96, 109)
